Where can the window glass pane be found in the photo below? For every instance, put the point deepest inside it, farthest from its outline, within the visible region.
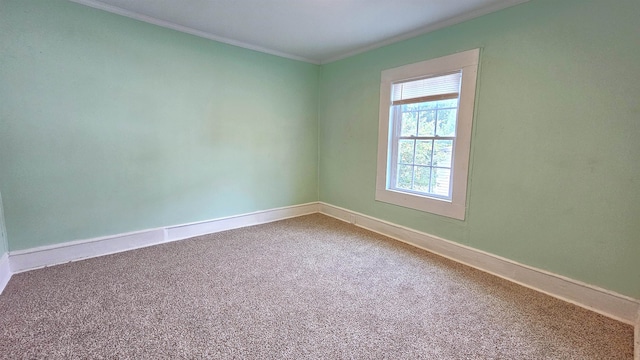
(409, 123)
(405, 151)
(422, 178)
(440, 181)
(447, 122)
(405, 175)
(428, 105)
(423, 152)
(427, 122)
(451, 103)
(412, 107)
(442, 150)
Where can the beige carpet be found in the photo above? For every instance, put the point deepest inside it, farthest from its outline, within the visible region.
(311, 287)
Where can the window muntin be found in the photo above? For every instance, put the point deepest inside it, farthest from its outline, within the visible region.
(426, 111)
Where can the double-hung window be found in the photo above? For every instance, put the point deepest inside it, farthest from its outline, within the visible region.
(426, 112)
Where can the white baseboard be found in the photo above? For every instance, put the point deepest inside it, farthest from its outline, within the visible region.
(608, 303)
(30, 259)
(186, 231)
(5, 271)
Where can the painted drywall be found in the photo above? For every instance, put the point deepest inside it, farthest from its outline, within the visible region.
(554, 162)
(110, 125)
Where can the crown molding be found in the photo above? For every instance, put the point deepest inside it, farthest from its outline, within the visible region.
(96, 4)
(427, 29)
(169, 25)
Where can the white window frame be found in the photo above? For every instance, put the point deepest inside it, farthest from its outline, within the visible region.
(467, 62)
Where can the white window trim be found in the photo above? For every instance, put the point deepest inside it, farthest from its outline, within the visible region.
(466, 61)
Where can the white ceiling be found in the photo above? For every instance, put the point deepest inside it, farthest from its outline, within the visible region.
(317, 31)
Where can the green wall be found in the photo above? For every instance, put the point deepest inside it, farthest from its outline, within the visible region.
(554, 179)
(110, 125)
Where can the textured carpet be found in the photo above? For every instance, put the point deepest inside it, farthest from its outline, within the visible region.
(310, 287)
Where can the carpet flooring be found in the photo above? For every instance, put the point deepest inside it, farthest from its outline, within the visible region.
(310, 287)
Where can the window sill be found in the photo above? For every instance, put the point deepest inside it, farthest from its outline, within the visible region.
(422, 203)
